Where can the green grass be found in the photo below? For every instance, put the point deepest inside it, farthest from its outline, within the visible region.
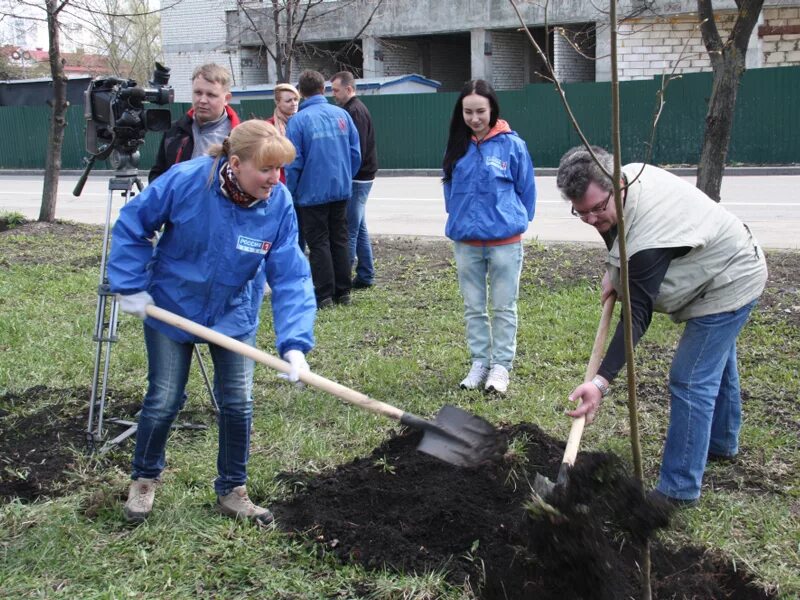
(401, 342)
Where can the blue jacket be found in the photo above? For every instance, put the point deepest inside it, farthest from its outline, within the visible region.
(328, 153)
(214, 258)
(492, 193)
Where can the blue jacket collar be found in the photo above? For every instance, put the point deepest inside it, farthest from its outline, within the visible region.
(318, 99)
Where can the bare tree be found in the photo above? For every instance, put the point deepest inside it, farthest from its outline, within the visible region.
(728, 65)
(616, 178)
(278, 25)
(128, 33)
(57, 13)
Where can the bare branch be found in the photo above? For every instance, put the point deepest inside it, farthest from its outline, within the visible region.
(352, 42)
(560, 90)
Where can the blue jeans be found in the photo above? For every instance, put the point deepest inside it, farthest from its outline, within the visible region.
(360, 248)
(705, 407)
(500, 267)
(168, 370)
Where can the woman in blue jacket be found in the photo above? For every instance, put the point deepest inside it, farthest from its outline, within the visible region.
(490, 196)
(229, 229)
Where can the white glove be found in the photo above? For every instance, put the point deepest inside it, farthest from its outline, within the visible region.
(135, 304)
(298, 364)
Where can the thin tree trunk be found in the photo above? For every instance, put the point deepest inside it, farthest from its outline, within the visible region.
(728, 65)
(58, 121)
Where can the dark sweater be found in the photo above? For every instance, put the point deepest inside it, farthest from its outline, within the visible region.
(366, 135)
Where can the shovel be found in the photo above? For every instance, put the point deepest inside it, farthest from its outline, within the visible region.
(541, 484)
(456, 436)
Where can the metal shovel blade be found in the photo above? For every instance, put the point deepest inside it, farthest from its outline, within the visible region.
(545, 488)
(461, 438)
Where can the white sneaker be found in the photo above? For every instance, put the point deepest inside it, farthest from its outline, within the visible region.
(497, 381)
(475, 377)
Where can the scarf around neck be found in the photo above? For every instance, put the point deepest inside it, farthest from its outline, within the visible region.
(232, 189)
(279, 121)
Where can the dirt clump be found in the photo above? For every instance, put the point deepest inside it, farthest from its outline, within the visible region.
(413, 513)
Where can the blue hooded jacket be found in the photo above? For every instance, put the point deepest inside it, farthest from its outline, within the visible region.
(214, 258)
(492, 193)
(328, 153)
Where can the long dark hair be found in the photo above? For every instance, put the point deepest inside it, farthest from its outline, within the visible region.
(460, 133)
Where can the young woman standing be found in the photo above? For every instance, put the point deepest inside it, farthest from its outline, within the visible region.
(490, 196)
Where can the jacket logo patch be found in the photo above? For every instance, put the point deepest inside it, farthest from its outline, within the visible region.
(342, 124)
(247, 244)
(493, 161)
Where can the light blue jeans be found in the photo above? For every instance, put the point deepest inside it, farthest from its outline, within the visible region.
(168, 370)
(484, 272)
(706, 406)
(358, 236)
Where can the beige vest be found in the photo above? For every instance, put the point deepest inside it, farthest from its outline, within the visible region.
(725, 268)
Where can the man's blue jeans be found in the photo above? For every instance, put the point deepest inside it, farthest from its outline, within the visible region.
(500, 267)
(168, 370)
(359, 246)
(706, 406)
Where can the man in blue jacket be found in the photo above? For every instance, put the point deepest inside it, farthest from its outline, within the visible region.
(320, 178)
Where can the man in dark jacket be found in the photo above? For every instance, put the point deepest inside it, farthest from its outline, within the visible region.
(208, 122)
(320, 181)
(344, 91)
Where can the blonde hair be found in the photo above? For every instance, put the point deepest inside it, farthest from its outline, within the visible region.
(254, 140)
(214, 73)
(285, 87)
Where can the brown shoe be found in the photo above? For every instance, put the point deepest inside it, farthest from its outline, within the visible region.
(140, 499)
(238, 505)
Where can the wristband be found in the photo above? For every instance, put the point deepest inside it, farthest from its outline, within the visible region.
(598, 383)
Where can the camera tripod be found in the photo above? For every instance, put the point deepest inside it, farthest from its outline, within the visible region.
(126, 175)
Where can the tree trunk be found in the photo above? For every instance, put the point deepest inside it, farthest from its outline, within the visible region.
(728, 65)
(58, 121)
(719, 123)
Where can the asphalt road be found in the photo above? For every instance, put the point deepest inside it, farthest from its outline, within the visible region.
(769, 204)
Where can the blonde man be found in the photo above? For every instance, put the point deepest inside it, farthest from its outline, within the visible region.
(207, 123)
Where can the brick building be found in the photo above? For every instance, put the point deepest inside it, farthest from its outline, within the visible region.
(456, 40)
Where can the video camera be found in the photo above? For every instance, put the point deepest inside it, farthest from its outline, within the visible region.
(115, 116)
(116, 120)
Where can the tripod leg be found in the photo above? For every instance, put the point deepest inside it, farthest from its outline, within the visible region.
(205, 378)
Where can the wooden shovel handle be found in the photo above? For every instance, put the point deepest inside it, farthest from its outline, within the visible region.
(307, 377)
(576, 431)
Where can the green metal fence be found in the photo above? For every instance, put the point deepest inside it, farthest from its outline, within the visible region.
(412, 129)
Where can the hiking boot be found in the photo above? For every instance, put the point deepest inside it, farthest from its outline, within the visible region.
(475, 377)
(237, 504)
(661, 498)
(140, 499)
(324, 303)
(343, 300)
(721, 458)
(361, 285)
(497, 381)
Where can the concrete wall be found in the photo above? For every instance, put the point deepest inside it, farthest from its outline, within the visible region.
(194, 33)
(414, 36)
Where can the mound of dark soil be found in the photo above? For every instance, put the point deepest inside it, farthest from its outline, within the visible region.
(413, 513)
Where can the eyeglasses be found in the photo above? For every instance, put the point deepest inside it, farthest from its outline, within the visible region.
(596, 210)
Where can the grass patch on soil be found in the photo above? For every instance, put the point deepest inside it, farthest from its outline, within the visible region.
(401, 342)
